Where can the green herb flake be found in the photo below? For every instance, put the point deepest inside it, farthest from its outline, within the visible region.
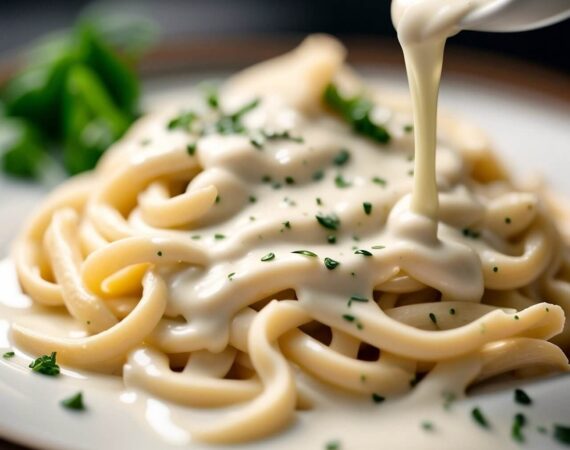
(159, 253)
(331, 239)
(183, 121)
(219, 236)
(452, 311)
(287, 225)
(408, 128)
(472, 234)
(196, 237)
(191, 148)
(330, 221)
(357, 298)
(367, 206)
(376, 398)
(433, 318)
(378, 247)
(340, 182)
(380, 181)
(318, 175)
(448, 399)
(305, 253)
(212, 99)
(333, 445)
(319, 201)
(508, 220)
(478, 417)
(331, 264)
(46, 365)
(348, 317)
(519, 422)
(362, 252)
(427, 425)
(542, 429)
(289, 180)
(516, 317)
(8, 355)
(252, 199)
(562, 433)
(522, 398)
(74, 402)
(341, 158)
(268, 257)
(495, 269)
(231, 276)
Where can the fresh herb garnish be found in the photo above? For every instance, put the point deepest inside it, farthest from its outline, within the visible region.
(268, 257)
(287, 225)
(332, 445)
(330, 221)
(452, 311)
(191, 148)
(331, 239)
(357, 298)
(289, 180)
(348, 317)
(8, 355)
(427, 425)
(357, 111)
(508, 220)
(212, 98)
(362, 252)
(46, 365)
(231, 276)
(74, 402)
(341, 158)
(183, 121)
(331, 264)
(219, 236)
(319, 201)
(433, 318)
(367, 206)
(519, 422)
(408, 128)
(159, 253)
(473, 234)
(378, 247)
(495, 269)
(252, 199)
(522, 398)
(479, 418)
(562, 433)
(448, 399)
(318, 175)
(305, 253)
(340, 182)
(380, 181)
(376, 398)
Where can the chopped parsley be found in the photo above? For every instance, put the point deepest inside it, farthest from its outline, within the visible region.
(522, 398)
(159, 253)
(376, 398)
(341, 158)
(46, 365)
(427, 425)
(433, 318)
(332, 445)
(357, 298)
(348, 317)
(340, 182)
(508, 220)
(330, 221)
(219, 236)
(380, 181)
(305, 253)
(252, 199)
(212, 99)
(231, 276)
(268, 257)
(331, 239)
(319, 201)
(448, 399)
(367, 206)
(218, 199)
(495, 269)
(331, 264)
(191, 148)
(452, 311)
(183, 121)
(8, 355)
(562, 433)
(286, 225)
(378, 247)
(362, 252)
(318, 175)
(74, 402)
(479, 418)
(472, 234)
(517, 317)
(289, 180)
(357, 111)
(196, 237)
(519, 422)
(408, 128)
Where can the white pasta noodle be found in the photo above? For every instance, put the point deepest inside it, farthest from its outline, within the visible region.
(177, 257)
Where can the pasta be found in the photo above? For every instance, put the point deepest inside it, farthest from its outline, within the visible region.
(218, 252)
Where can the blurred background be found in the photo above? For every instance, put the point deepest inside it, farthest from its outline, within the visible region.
(22, 21)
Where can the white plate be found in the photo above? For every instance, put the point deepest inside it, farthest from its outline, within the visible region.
(529, 131)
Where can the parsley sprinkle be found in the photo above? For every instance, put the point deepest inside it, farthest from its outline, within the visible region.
(378, 247)
(332, 445)
(331, 264)
(74, 402)
(433, 318)
(305, 253)
(348, 317)
(212, 99)
(469, 233)
(318, 175)
(367, 208)
(508, 220)
(319, 201)
(380, 181)
(341, 182)
(331, 239)
(268, 257)
(231, 275)
(196, 237)
(8, 355)
(542, 429)
(448, 399)
(257, 141)
(341, 158)
(159, 253)
(522, 398)
(479, 417)
(287, 225)
(183, 121)
(408, 128)
(331, 221)
(46, 365)
(289, 180)
(252, 199)
(562, 433)
(426, 425)
(495, 269)
(357, 298)
(266, 179)
(376, 398)
(191, 148)
(218, 199)
(519, 422)
(452, 311)
(218, 236)
(517, 317)
(362, 252)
